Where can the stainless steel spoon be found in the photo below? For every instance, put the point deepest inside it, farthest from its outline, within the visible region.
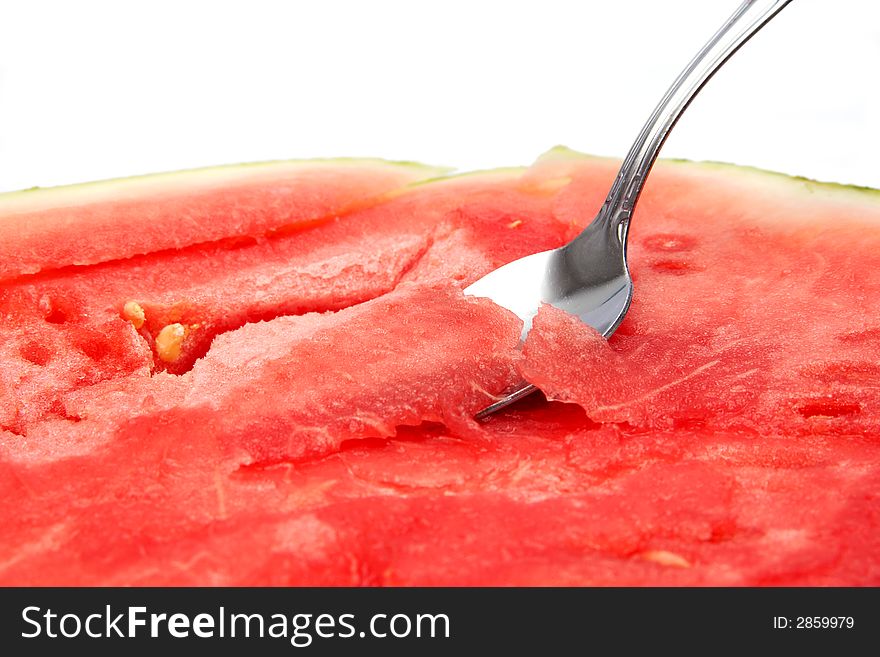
(588, 277)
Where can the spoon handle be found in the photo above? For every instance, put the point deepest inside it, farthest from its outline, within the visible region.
(751, 16)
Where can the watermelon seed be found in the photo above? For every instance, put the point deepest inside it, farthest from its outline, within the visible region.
(133, 312)
(666, 558)
(169, 342)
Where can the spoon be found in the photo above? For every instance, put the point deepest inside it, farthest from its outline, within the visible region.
(588, 277)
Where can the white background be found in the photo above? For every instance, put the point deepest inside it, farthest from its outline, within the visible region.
(92, 90)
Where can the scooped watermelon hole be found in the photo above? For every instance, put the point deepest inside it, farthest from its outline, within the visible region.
(828, 409)
(421, 432)
(356, 444)
(202, 329)
(403, 433)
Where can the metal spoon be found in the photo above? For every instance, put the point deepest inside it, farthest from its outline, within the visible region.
(588, 277)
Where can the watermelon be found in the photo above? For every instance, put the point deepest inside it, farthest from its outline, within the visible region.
(87, 224)
(280, 389)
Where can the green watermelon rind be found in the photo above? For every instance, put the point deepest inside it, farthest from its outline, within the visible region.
(453, 177)
(794, 182)
(430, 174)
(37, 194)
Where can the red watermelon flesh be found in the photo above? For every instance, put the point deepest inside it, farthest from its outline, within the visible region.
(212, 288)
(430, 508)
(97, 222)
(158, 482)
(758, 320)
